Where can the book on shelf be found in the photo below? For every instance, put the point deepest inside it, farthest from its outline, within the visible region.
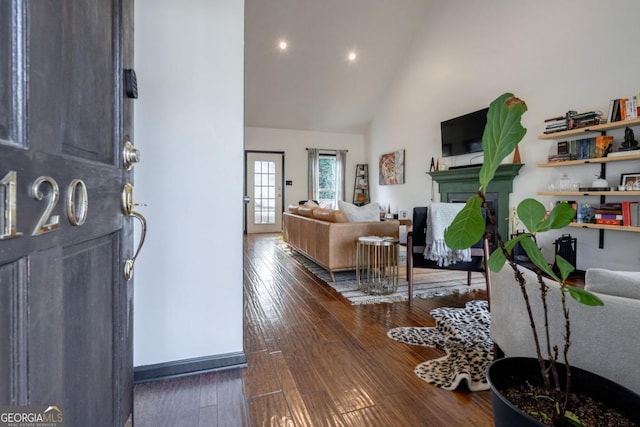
(584, 212)
(586, 148)
(615, 112)
(548, 131)
(627, 205)
(586, 115)
(632, 108)
(554, 125)
(555, 120)
(608, 216)
(604, 143)
(635, 215)
(617, 222)
(558, 123)
(609, 207)
(610, 112)
(586, 122)
(623, 109)
(564, 147)
(560, 157)
(573, 120)
(588, 118)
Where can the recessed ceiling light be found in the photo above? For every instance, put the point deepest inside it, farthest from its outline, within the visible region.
(283, 45)
(352, 56)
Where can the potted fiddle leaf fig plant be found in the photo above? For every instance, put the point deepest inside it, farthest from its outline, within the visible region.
(549, 387)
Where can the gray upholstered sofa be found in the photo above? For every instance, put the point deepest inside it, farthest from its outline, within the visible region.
(604, 340)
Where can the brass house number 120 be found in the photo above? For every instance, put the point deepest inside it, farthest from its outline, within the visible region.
(77, 203)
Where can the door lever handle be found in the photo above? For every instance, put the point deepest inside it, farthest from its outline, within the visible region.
(127, 207)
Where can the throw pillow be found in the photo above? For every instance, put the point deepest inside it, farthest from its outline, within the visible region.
(617, 283)
(306, 211)
(329, 215)
(311, 204)
(366, 213)
(293, 209)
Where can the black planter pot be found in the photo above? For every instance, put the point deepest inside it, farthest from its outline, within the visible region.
(511, 370)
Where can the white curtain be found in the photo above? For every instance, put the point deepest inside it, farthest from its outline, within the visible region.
(313, 155)
(341, 167)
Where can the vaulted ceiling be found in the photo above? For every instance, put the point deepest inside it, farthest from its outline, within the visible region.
(311, 85)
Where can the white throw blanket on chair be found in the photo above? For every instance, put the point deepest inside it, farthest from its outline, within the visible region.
(440, 216)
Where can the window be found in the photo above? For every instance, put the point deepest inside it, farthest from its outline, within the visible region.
(326, 176)
(327, 181)
(264, 192)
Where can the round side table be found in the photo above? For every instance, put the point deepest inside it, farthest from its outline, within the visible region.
(377, 265)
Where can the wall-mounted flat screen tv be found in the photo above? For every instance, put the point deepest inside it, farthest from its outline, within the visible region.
(463, 134)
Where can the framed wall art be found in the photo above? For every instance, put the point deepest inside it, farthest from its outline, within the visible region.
(391, 168)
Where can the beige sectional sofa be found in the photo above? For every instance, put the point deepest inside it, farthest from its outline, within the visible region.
(604, 339)
(331, 241)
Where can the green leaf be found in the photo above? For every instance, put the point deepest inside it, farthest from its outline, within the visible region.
(559, 217)
(534, 254)
(564, 266)
(531, 212)
(510, 244)
(584, 297)
(496, 260)
(573, 419)
(501, 135)
(467, 227)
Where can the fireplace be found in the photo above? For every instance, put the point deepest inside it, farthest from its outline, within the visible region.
(458, 185)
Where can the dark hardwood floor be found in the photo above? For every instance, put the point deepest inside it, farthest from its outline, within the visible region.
(314, 360)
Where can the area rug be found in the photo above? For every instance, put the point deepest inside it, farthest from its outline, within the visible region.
(463, 333)
(427, 283)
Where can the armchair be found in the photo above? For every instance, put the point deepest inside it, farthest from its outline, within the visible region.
(416, 243)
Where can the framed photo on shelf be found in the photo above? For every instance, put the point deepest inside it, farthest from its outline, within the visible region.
(629, 179)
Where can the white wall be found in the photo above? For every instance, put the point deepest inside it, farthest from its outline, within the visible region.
(557, 56)
(294, 144)
(189, 128)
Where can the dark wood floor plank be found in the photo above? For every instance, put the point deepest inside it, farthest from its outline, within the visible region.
(315, 360)
(209, 389)
(270, 410)
(253, 339)
(208, 416)
(171, 403)
(232, 403)
(302, 358)
(322, 411)
(299, 411)
(373, 416)
(261, 376)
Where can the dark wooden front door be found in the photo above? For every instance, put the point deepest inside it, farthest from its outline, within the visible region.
(65, 308)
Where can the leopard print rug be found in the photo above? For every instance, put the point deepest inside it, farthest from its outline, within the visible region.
(463, 333)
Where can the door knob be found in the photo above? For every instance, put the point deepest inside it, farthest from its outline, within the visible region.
(130, 155)
(127, 207)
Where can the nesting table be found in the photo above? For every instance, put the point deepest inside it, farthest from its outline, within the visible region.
(377, 265)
